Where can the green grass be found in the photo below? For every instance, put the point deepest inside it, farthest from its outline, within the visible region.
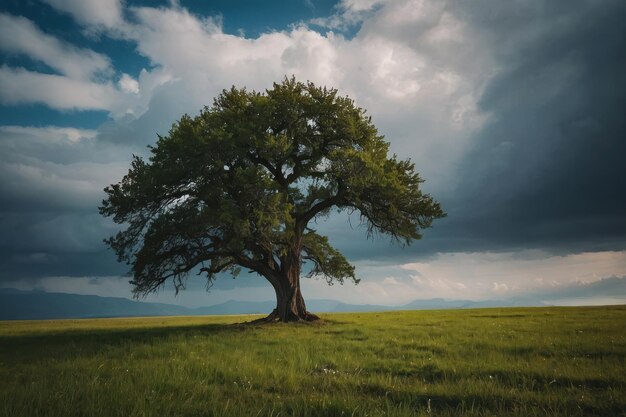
(488, 362)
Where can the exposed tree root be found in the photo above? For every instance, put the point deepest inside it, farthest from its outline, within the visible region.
(274, 317)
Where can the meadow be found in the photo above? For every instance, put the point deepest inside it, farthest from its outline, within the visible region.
(484, 362)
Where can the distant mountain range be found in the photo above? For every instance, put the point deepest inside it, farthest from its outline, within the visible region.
(32, 305)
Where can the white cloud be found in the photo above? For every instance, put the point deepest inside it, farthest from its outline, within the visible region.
(390, 281)
(18, 86)
(19, 35)
(454, 274)
(438, 285)
(47, 134)
(312, 56)
(349, 13)
(204, 60)
(107, 13)
(128, 84)
(21, 86)
(499, 287)
(359, 5)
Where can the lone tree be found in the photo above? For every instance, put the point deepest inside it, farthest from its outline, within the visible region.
(237, 186)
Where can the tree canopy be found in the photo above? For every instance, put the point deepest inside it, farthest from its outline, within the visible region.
(237, 186)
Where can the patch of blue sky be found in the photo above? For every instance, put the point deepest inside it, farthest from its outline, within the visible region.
(123, 55)
(16, 60)
(40, 115)
(252, 18)
(49, 20)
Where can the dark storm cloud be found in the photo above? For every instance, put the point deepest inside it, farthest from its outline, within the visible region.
(48, 209)
(548, 169)
(53, 182)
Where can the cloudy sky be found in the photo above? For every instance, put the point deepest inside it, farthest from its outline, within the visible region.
(514, 113)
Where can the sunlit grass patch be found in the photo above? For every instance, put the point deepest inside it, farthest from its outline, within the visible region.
(517, 362)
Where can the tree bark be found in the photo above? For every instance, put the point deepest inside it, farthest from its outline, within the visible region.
(290, 305)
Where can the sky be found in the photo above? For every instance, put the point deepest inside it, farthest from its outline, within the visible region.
(513, 113)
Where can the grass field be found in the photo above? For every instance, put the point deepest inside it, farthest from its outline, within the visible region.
(488, 362)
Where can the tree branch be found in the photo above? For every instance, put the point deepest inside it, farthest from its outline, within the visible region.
(275, 171)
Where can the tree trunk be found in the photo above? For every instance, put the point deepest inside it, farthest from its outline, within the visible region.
(290, 304)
